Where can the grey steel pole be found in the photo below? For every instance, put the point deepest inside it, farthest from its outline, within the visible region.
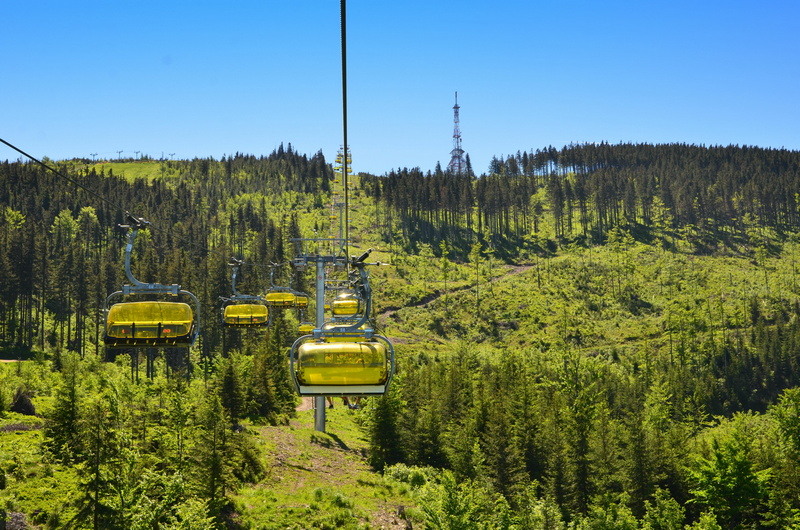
(319, 401)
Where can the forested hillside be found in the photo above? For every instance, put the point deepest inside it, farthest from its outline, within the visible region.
(711, 194)
(602, 336)
(62, 246)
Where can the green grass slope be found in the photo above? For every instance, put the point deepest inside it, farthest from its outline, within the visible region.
(312, 480)
(144, 169)
(321, 479)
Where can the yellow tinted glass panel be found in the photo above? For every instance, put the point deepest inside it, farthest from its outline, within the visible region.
(279, 299)
(301, 301)
(141, 320)
(246, 314)
(342, 363)
(350, 337)
(344, 307)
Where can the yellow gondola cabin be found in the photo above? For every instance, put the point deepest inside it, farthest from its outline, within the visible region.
(342, 363)
(159, 323)
(281, 299)
(245, 315)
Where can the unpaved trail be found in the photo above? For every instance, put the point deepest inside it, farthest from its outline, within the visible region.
(513, 270)
(327, 461)
(306, 403)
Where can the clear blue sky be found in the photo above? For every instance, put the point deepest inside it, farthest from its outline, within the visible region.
(202, 79)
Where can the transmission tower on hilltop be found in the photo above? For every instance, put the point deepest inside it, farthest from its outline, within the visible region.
(457, 163)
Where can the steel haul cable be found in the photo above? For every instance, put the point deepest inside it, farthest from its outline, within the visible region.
(98, 196)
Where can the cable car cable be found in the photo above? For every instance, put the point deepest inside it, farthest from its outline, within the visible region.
(66, 177)
(343, 15)
(128, 216)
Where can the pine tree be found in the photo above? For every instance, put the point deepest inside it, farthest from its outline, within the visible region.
(474, 258)
(102, 452)
(382, 431)
(213, 453)
(61, 430)
(504, 463)
(727, 483)
(231, 388)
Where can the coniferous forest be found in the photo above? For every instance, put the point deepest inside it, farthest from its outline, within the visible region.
(597, 337)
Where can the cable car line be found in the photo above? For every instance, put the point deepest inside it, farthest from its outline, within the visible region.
(128, 216)
(343, 18)
(342, 355)
(65, 177)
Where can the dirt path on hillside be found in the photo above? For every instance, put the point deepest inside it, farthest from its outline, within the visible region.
(306, 403)
(328, 463)
(390, 312)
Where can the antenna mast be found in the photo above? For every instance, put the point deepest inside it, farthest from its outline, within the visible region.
(457, 163)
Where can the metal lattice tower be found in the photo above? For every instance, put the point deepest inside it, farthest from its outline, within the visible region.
(339, 203)
(457, 163)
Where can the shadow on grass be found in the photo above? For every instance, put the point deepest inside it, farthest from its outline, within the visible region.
(329, 440)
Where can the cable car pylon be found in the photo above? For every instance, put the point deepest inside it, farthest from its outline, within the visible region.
(343, 356)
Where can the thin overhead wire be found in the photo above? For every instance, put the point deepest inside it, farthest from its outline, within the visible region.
(103, 199)
(99, 197)
(65, 177)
